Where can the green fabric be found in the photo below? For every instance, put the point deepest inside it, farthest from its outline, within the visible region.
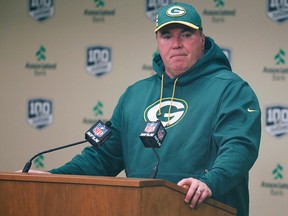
(178, 12)
(216, 139)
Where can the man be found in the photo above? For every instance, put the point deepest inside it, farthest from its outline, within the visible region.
(212, 119)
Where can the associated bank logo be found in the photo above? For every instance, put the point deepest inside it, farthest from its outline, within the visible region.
(227, 52)
(280, 69)
(40, 54)
(41, 10)
(276, 122)
(179, 108)
(278, 172)
(276, 184)
(98, 60)
(100, 13)
(220, 12)
(219, 3)
(277, 10)
(97, 112)
(279, 57)
(40, 112)
(98, 109)
(40, 67)
(152, 7)
(38, 162)
(99, 3)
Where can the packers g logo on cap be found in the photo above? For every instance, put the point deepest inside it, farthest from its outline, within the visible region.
(175, 11)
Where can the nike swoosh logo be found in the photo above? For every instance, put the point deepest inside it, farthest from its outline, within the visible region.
(251, 110)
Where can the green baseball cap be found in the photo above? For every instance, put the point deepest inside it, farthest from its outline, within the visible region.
(178, 12)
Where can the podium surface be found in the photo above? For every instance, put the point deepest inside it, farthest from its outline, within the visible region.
(45, 194)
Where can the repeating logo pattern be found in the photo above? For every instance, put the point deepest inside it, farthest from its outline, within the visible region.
(279, 70)
(98, 112)
(39, 162)
(276, 122)
(277, 184)
(220, 12)
(99, 3)
(100, 13)
(278, 172)
(152, 7)
(219, 3)
(98, 109)
(40, 54)
(279, 57)
(41, 10)
(277, 10)
(40, 67)
(98, 60)
(40, 112)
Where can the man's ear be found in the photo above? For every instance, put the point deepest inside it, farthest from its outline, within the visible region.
(203, 40)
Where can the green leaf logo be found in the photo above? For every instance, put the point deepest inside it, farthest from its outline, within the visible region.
(279, 57)
(99, 3)
(277, 172)
(98, 109)
(38, 162)
(219, 3)
(40, 54)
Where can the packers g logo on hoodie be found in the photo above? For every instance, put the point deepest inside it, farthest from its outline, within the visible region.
(169, 115)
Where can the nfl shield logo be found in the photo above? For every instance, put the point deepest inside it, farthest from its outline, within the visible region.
(150, 127)
(99, 130)
(161, 134)
(277, 10)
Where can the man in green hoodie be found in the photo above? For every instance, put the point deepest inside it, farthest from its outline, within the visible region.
(212, 118)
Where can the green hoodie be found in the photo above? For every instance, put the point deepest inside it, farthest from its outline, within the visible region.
(213, 133)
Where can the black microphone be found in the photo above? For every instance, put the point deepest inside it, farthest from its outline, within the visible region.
(152, 136)
(98, 134)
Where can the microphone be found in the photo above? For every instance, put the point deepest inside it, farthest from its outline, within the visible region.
(152, 136)
(97, 135)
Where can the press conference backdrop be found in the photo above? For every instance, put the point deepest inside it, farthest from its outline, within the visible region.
(64, 64)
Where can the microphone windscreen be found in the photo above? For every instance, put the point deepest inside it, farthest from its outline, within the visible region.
(98, 134)
(153, 134)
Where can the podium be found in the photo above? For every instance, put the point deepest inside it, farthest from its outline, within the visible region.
(24, 194)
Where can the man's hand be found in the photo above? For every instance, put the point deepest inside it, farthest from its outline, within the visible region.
(35, 171)
(197, 191)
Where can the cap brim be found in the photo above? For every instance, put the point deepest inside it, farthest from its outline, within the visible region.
(180, 22)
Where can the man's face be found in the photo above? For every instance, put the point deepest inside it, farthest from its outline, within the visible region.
(180, 47)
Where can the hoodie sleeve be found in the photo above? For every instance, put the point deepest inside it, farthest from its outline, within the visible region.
(236, 133)
(105, 161)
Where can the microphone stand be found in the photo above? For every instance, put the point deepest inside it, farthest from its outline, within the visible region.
(29, 163)
(155, 169)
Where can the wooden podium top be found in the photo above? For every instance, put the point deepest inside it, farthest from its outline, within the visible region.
(71, 182)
